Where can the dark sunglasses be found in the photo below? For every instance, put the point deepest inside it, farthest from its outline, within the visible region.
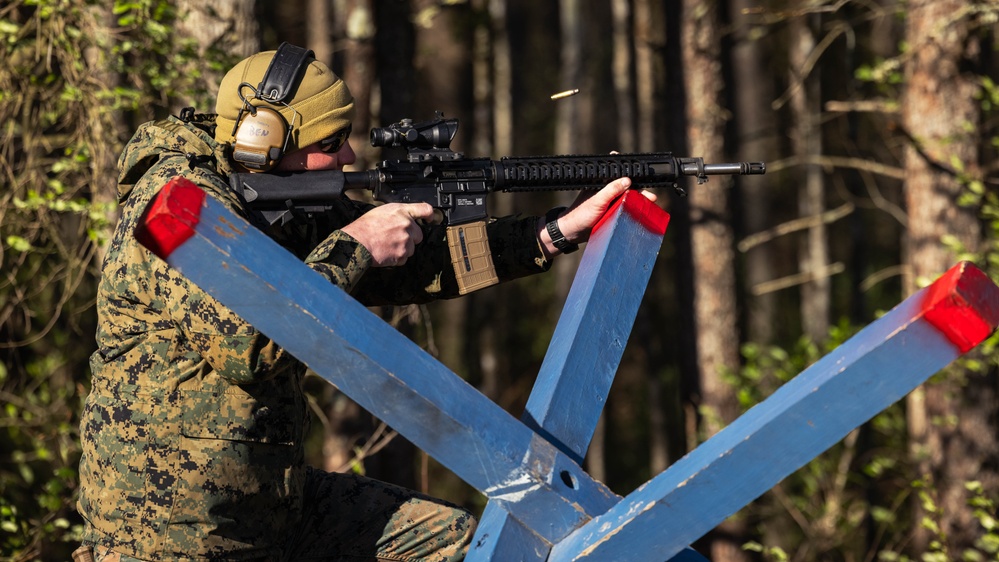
(335, 142)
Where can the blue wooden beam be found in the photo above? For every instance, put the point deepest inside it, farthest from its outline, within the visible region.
(591, 334)
(583, 357)
(370, 361)
(865, 375)
(500, 536)
(539, 496)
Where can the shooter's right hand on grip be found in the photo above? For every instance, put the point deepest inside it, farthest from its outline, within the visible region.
(390, 232)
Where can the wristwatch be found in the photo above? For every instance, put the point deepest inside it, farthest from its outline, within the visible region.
(558, 239)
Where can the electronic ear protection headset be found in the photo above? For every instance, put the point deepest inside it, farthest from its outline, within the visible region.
(261, 133)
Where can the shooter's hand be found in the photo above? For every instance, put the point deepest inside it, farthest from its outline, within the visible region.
(391, 232)
(577, 222)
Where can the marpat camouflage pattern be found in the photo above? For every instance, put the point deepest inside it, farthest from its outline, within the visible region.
(193, 432)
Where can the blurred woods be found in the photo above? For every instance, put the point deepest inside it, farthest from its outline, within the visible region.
(879, 121)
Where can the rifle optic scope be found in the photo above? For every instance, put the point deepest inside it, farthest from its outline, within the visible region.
(429, 134)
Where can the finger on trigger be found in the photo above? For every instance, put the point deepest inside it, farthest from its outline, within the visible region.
(420, 211)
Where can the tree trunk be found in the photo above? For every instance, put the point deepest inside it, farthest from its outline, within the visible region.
(318, 24)
(359, 74)
(443, 63)
(394, 56)
(806, 109)
(756, 141)
(657, 349)
(568, 112)
(493, 128)
(951, 421)
(111, 132)
(624, 87)
(229, 26)
(349, 427)
(647, 37)
(711, 241)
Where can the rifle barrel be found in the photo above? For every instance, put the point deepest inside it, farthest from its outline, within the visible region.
(691, 167)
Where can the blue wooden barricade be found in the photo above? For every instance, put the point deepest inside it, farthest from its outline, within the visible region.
(542, 504)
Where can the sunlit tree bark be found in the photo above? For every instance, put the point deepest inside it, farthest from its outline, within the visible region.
(712, 241)
(228, 26)
(952, 420)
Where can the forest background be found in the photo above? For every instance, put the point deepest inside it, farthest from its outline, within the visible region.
(879, 121)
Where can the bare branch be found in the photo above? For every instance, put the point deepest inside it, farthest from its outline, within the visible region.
(839, 162)
(797, 279)
(795, 225)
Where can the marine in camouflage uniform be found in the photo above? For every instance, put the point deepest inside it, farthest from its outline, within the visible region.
(193, 432)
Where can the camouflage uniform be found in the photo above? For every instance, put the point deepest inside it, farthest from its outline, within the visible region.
(193, 432)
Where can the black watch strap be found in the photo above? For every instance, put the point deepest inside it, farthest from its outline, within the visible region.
(558, 239)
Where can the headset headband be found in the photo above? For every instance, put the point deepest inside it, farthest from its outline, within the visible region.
(284, 71)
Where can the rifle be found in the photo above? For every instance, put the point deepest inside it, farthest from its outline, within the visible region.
(457, 186)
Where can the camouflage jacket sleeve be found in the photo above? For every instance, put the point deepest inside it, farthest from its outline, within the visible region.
(235, 350)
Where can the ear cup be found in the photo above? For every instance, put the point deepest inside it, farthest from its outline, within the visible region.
(260, 139)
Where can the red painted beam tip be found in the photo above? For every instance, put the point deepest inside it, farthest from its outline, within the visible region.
(639, 208)
(170, 218)
(963, 304)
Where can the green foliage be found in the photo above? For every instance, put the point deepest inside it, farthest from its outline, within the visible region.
(74, 73)
(850, 499)
(769, 553)
(986, 547)
(985, 512)
(766, 368)
(853, 497)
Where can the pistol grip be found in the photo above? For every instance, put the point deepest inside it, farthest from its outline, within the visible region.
(471, 257)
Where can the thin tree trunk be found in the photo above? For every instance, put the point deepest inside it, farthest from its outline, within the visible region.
(359, 74)
(502, 91)
(951, 422)
(756, 141)
(317, 29)
(443, 63)
(349, 426)
(806, 110)
(567, 121)
(111, 131)
(712, 241)
(645, 44)
(394, 45)
(667, 437)
(624, 87)
(227, 25)
(493, 137)
(571, 73)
